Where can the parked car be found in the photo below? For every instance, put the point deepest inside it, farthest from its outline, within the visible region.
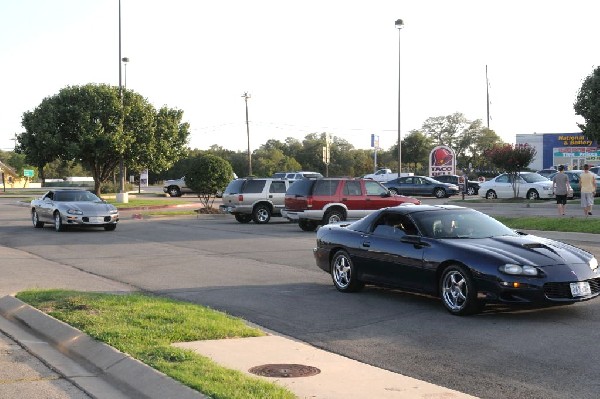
(595, 170)
(176, 187)
(463, 256)
(472, 186)
(574, 181)
(530, 185)
(547, 172)
(322, 201)
(81, 208)
(293, 176)
(421, 185)
(382, 175)
(256, 199)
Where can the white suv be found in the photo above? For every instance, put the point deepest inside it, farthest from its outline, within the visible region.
(293, 176)
(175, 188)
(254, 199)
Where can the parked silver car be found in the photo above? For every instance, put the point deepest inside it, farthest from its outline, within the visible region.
(256, 199)
(73, 208)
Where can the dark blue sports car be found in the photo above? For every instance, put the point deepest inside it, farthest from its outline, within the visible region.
(461, 255)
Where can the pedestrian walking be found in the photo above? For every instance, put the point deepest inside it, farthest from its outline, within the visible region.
(587, 182)
(561, 185)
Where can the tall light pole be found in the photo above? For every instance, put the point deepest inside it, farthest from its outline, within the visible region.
(399, 25)
(246, 96)
(121, 195)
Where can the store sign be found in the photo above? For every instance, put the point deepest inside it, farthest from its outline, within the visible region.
(442, 161)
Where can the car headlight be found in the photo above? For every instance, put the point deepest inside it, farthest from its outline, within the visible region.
(518, 270)
(74, 212)
(113, 211)
(547, 188)
(593, 263)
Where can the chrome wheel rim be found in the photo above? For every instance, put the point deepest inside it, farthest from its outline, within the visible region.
(440, 193)
(57, 221)
(342, 272)
(455, 291)
(334, 218)
(262, 215)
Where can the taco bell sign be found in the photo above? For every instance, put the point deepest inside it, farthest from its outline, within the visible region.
(442, 161)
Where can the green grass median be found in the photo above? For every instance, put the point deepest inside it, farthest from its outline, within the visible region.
(145, 326)
(577, 224)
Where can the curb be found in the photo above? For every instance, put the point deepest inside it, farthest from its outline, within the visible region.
(130, 377)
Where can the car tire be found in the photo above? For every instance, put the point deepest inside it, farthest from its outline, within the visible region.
(261, 214)
(439, 193)
(532, 194)
(58, 224)
(471, 191)
(491, 194)
(334, 216)
(110, 227)
(308, 225)
(35, 219)
(243, 218)
(393, 191)
(174, 191)
(458, 292)
(343, 273)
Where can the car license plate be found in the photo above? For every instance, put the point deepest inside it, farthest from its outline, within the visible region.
(581, 288)
(96, 219)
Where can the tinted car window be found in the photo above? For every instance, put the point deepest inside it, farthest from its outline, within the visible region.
(502, 179)
(234, 187)
(326, 187)
(374, 188)
(277, 187)
(533, 177)
(301, 187)
(352, 188)
(254, 186)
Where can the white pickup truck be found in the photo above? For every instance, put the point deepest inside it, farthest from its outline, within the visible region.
(383, 175)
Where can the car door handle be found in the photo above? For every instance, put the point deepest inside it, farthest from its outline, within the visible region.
(367, 199)
(344, 199)
(270, 195)
(366, 244)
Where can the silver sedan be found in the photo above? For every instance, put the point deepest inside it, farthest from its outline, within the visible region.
(73, 208)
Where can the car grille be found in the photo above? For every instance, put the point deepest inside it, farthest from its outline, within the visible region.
(563, 290)
(87, 219)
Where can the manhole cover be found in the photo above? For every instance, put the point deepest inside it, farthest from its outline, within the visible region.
(284, 370)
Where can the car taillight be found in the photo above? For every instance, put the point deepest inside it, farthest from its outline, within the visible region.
(240, 197)
(309, 202)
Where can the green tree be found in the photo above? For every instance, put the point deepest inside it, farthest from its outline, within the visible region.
(512, 159)
(587, 105)
(95, 126)
(207, 175)
(415, 149)
(454, 131)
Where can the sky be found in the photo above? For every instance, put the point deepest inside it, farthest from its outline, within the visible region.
(309, 66)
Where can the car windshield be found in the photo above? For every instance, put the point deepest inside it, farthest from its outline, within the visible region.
(533, 177)
(75, 196)
(462, 223)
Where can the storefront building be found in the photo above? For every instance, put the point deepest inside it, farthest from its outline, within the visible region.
(572, 150)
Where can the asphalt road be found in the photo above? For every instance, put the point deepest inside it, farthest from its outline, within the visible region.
(266, 274)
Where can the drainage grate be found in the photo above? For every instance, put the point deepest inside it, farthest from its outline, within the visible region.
(284, 370)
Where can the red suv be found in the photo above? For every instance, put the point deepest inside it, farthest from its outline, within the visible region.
(322, 201)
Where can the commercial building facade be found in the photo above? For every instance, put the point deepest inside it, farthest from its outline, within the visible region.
(552, 149)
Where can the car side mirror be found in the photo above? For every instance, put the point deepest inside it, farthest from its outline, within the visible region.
(386, 194)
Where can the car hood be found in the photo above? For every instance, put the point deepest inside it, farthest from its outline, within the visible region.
(526, 250)
(88, 206)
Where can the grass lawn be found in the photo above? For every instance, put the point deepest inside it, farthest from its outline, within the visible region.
(145, 326)
(577, 224)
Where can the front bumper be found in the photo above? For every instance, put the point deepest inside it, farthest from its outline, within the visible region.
(84, 220)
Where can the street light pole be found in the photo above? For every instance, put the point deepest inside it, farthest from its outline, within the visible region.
(246, 96)
(121, 195)
(399, 25)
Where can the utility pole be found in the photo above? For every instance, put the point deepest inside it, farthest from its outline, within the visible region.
(246, 96)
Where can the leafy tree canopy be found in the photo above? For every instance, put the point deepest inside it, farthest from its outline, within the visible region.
(587, 105)
(207, 175)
